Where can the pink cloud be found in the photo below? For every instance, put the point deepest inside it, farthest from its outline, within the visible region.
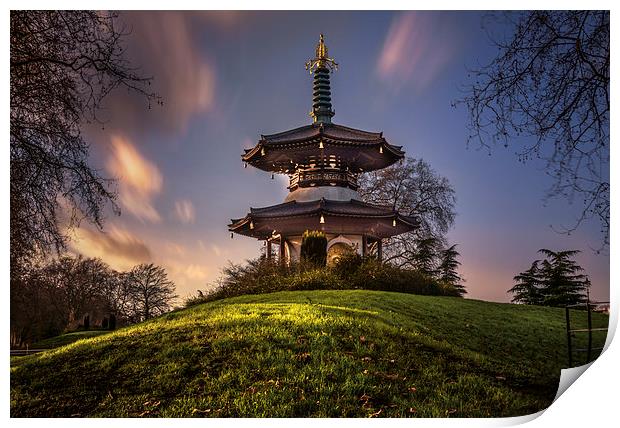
(139, 179)
(185, 211)
(164, 46)
(417, 48)
(182, 74)
(118, 247)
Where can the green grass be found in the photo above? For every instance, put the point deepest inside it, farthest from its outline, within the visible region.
(315, 353)
(67, 338)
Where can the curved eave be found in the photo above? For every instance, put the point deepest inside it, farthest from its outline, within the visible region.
(275, 159)
(385, 224)
(320, 129)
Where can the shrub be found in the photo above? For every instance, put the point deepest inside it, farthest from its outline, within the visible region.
(314, 247)
(260, 276)
(347, 263)
(374, 275)
(315, 279)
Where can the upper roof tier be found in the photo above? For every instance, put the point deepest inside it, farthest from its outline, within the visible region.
(323, 145)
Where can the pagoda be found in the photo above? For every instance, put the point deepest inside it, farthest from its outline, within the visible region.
(323, 161)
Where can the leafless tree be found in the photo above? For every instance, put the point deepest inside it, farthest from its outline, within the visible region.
(119, 297)
(151, 291)
(415, 189)
(62, 65)
(55, 295)
(550, 81)
(79, 284)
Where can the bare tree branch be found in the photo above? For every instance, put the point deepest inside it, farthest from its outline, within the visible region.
(550, 81)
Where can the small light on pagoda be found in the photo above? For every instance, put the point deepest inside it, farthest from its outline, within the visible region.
(321, 146)
(394, 223)
(322, 221)
(380, 149)
(262, 151)
(251, 225)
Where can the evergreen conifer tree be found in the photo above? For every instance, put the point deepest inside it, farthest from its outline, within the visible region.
(527, 289)
(555, 281)
(448, 269)
(426, 256)
(562, 280)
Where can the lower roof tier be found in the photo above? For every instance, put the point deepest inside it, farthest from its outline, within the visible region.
(339, 217)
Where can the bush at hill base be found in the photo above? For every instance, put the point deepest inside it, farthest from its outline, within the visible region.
(261, 275)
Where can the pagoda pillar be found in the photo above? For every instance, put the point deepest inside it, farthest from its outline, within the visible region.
(268, 249)
(282, 258)
(380, 249)
(364, 246)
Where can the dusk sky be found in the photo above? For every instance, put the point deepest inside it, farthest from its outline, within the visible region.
(227, 77)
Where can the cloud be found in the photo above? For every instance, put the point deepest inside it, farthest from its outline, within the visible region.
(417, 48)
(175, 249)
(139, 179)
(117, 247)
(166, 45)
(195, 272)
(185, 211)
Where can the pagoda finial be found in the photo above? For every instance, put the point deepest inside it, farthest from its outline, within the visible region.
(321, 59)
(321, 65)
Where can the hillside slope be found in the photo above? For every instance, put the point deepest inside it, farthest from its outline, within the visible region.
(315, 353)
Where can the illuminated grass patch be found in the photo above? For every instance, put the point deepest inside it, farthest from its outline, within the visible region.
(315, 353)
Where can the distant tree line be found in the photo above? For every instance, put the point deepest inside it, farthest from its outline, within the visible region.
(71, 293)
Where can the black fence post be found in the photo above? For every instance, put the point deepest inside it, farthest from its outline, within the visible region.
(570, 354)
(589, 331)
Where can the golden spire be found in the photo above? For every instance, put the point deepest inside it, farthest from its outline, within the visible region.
(321, 59)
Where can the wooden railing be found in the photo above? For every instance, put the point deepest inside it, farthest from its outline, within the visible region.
(323, 177)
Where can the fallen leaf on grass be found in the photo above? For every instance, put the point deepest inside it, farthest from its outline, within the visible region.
(374, 415)
(201, 411)
(303, 356)
(366, 401)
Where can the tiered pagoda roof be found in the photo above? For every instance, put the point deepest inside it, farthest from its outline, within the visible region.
(323, 145)
(323, 158)
(340, 217)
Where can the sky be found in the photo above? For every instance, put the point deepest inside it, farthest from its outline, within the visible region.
(228, 77)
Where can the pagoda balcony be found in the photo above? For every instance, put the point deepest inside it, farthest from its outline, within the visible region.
(323, 177)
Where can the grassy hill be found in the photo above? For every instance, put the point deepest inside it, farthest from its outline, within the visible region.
(315, 353)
